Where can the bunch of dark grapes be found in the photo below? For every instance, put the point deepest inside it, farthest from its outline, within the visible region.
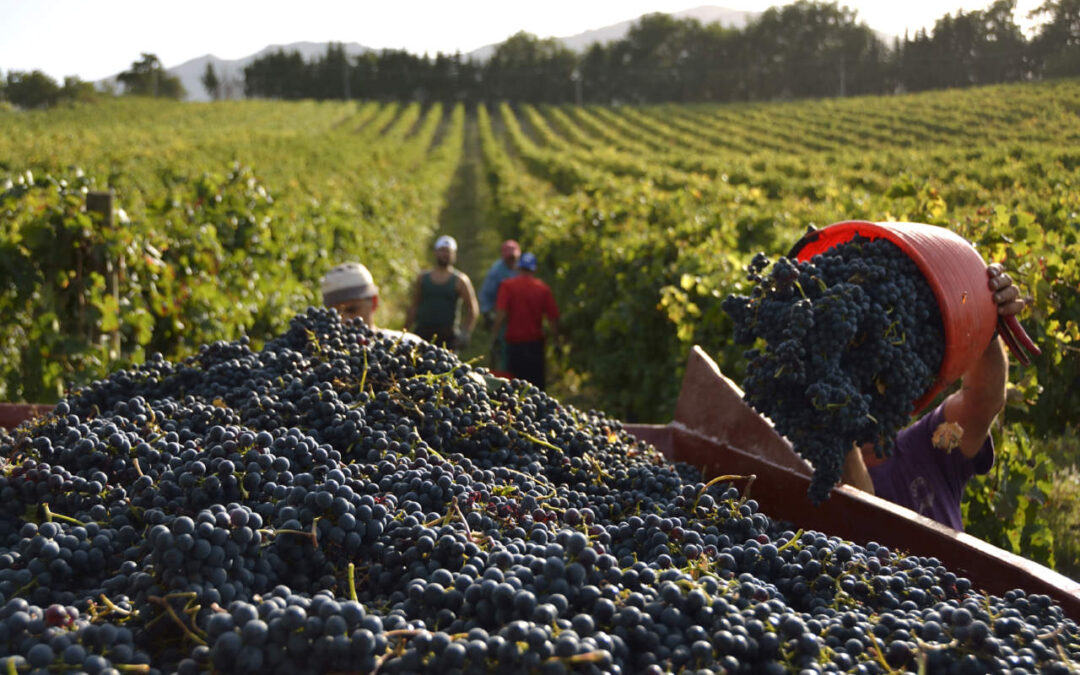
(343, 500)
(844, 344)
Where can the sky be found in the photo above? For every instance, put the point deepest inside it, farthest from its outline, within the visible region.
(99, 38)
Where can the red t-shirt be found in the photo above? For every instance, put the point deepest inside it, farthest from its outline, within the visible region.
(526, 300)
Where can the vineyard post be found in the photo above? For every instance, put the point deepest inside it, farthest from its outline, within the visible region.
(102, 203)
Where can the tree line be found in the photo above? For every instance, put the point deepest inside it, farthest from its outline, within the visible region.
(35, 89)
(805, 49)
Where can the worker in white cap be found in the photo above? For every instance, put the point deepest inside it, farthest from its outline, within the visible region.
(433, 311)
(350, 289)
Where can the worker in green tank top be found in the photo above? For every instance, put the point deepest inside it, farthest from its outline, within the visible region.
(433, 310)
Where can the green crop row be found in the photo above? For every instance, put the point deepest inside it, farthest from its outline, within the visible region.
(226, 218)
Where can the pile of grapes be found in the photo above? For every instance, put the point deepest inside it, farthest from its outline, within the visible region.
(346, 501)
(847, 341)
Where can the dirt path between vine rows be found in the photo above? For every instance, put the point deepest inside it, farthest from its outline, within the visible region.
(465, 217)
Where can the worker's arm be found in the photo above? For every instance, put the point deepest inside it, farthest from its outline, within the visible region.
(468, 299)
(982, 389)
(502, 302)
(414, 302)
(500, 320)
(855, 472)
(489, 290)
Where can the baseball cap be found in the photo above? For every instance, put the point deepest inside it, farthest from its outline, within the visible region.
(348, 281)
(510, 246)
(446, 241)
(527, 262)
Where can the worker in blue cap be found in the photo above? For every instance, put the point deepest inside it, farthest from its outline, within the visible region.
(522, 304)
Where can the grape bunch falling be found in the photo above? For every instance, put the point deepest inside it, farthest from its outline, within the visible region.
(344, 501)
(844, 344)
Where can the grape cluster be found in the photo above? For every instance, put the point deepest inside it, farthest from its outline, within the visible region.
(844, 344)
(344, 501)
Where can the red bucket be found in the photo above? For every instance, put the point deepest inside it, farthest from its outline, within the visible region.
(956, 273)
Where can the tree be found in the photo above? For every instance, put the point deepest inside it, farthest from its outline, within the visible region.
(31, 90)
(78, 91)
(653, 57)
(979, 47)
(1056, 47)
(528, 69)
(279, 74)
(147, 77)
(210, 82)
(812, 49)
(1002, 51)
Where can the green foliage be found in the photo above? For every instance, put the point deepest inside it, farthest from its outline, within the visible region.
(31, 90)
(38, 90)
(147, 77)
(210, 82)
(1056, 47)
(1006, 507)
(202, 248)
(1064, 518)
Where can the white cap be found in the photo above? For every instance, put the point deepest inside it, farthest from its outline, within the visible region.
(348, 281)
(446, 241)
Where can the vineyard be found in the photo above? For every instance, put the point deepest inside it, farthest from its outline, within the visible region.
(644, 219)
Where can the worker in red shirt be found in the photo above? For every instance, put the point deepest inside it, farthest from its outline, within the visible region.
(522, 303)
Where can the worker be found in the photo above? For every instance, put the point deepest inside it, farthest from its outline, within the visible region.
(432, 312)
(934, 458)
(502, 269)
(350, 289)
(522, 304)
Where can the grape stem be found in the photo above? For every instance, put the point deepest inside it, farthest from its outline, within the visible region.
(595, 656)
(113, 607)
(720, 479)
(881, 657)
(49, 515)
(164, 602)
(790, 542)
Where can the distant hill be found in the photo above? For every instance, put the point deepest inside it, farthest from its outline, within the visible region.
(734, 18)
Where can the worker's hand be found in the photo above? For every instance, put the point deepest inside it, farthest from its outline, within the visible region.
(461, 341)
(1006, 295)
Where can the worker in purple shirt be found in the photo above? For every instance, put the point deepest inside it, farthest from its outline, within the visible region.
(934, 458)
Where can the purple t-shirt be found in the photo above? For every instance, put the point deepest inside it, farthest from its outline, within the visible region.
(925, 479)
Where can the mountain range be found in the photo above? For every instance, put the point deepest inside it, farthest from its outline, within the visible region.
(231, 71)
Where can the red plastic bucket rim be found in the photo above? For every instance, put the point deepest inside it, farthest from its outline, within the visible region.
(821, 240)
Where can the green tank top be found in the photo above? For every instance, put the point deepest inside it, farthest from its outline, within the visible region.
(438, 302)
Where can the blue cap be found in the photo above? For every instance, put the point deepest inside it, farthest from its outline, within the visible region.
(527, 262)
